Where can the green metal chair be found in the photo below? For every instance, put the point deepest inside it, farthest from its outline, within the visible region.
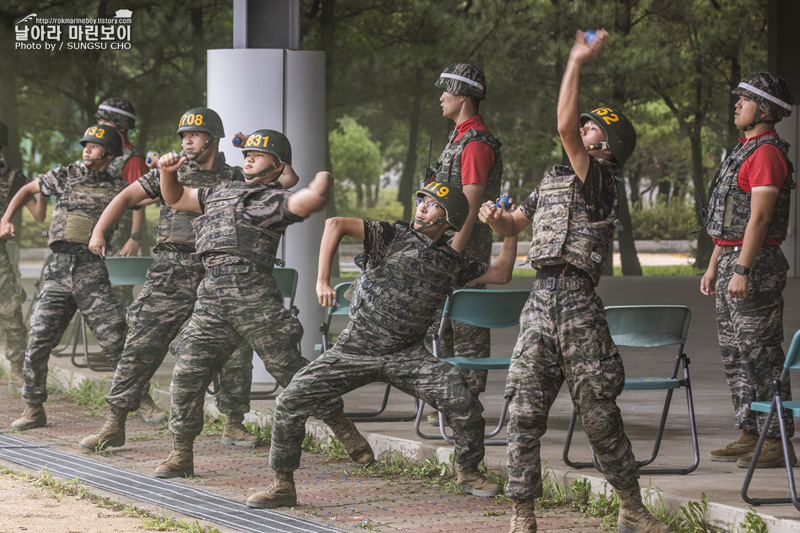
(492, 309)
(783, 409)
(343, 309)
(287, 279)
(650, 326)
(12, 249)
(121, 271)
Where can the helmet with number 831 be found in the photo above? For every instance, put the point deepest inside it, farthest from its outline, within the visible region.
(201, 119)
(620, 133)
(106, 136)
(451, 198)
(270, 142)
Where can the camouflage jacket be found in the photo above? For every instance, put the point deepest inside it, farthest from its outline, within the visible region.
(175, 232)
(11, 181)
(565, 228)
(82, 195)
(244, 220)
(405, 281)
(729, 206)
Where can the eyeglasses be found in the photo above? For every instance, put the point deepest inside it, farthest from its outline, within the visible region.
(429, 204)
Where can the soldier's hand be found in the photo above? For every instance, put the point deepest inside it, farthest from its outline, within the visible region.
(171, 162)
(708, 283)
(97, 244)
(131, 249)
(152, 160)
(6, 230)
(489, 211)
(737, 288)
(326, 294)
(240, 139)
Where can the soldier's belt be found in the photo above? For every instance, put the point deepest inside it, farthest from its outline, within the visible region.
(84, 257)
(178, 255)
(730, 249)
(222, 270)
(568, 283)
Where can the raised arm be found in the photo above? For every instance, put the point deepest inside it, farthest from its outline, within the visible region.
(22, 198)
(502, 269)
(335, 229)
(313, 198)
(288, 177)
(176, 195)
(129, 197)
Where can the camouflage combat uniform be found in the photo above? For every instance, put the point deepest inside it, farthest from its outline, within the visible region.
(166, 300)
(13, 295)
(238, 299)
(403, 287)
(750, 330)
(563, 332)
(76, 278)
(458, 338)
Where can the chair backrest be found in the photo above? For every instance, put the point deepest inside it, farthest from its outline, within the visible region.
(344, 304)
(486, 308)
(128, 270)
(648, 326)
(12, 249)
(287, 282)
(793, 355)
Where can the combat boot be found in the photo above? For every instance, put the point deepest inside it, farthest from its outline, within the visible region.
(473, 482)
(235, 433)
(112, 434)
(771, 455)
(15, 376)
(523, 519)
(354, 442)
(150, 412)
(32, 417)
(634, 517)
(180, 462)
(281, 493)
(736, 449)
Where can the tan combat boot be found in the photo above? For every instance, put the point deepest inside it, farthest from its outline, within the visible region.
(354, 442)
(523, 519)
(32, 417)
(15, 376)
(634, 516)
(771, 455)
(730, 453)
(112, 434)
(150, 412)
(235, 433)
(180, 462)
(473, 482)
(281, 493)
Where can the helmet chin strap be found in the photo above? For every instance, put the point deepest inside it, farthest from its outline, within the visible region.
(196, 155)
(93, 160)
(597, 146)
(264, 172)
(435, 222)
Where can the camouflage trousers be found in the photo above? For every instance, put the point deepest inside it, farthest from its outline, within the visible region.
(352, 363)
(12, 295)
(750, 335)
(164, 304)
(459, 339)
(121, 235)
(564, 337)
(234, 304)
(71, 283)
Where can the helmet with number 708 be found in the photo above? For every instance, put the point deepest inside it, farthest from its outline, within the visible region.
(201, 119)
(620, 133)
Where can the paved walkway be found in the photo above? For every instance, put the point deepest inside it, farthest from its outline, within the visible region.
(720, 482)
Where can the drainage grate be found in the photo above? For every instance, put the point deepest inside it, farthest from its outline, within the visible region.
(169, 495)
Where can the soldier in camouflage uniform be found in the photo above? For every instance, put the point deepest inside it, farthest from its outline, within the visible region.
(748, 220)
(477, 169)
(238, 299)
(75, 279)
(13, 295)
(563, 332)
(170, 290)
(130, 166)
(409, 271)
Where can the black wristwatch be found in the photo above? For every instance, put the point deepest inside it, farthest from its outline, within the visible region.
(135, 237)
(741, 269)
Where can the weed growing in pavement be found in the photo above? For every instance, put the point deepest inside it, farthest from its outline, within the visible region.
(213, 426)
(165, 522)
(366, 525)
(88, 393)
(752, 523)
(333, 448)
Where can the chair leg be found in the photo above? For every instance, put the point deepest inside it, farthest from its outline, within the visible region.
(565, 454)
(373, 416)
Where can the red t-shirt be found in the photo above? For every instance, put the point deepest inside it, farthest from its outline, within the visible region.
(135, 166)
(765, 166)
(478, 158)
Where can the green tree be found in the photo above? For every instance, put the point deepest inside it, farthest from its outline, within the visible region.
(356, 159)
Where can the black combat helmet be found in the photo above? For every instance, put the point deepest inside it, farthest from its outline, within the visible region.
(620, 133)
(106, 136)
(455, 204)
(201, 119)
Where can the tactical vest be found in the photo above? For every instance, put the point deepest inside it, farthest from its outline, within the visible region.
(448, 169)
(78, 208)
(175, 230)
(562, 231)
(117, 165)
(729, 206)
(395, 301)
(225, 226)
